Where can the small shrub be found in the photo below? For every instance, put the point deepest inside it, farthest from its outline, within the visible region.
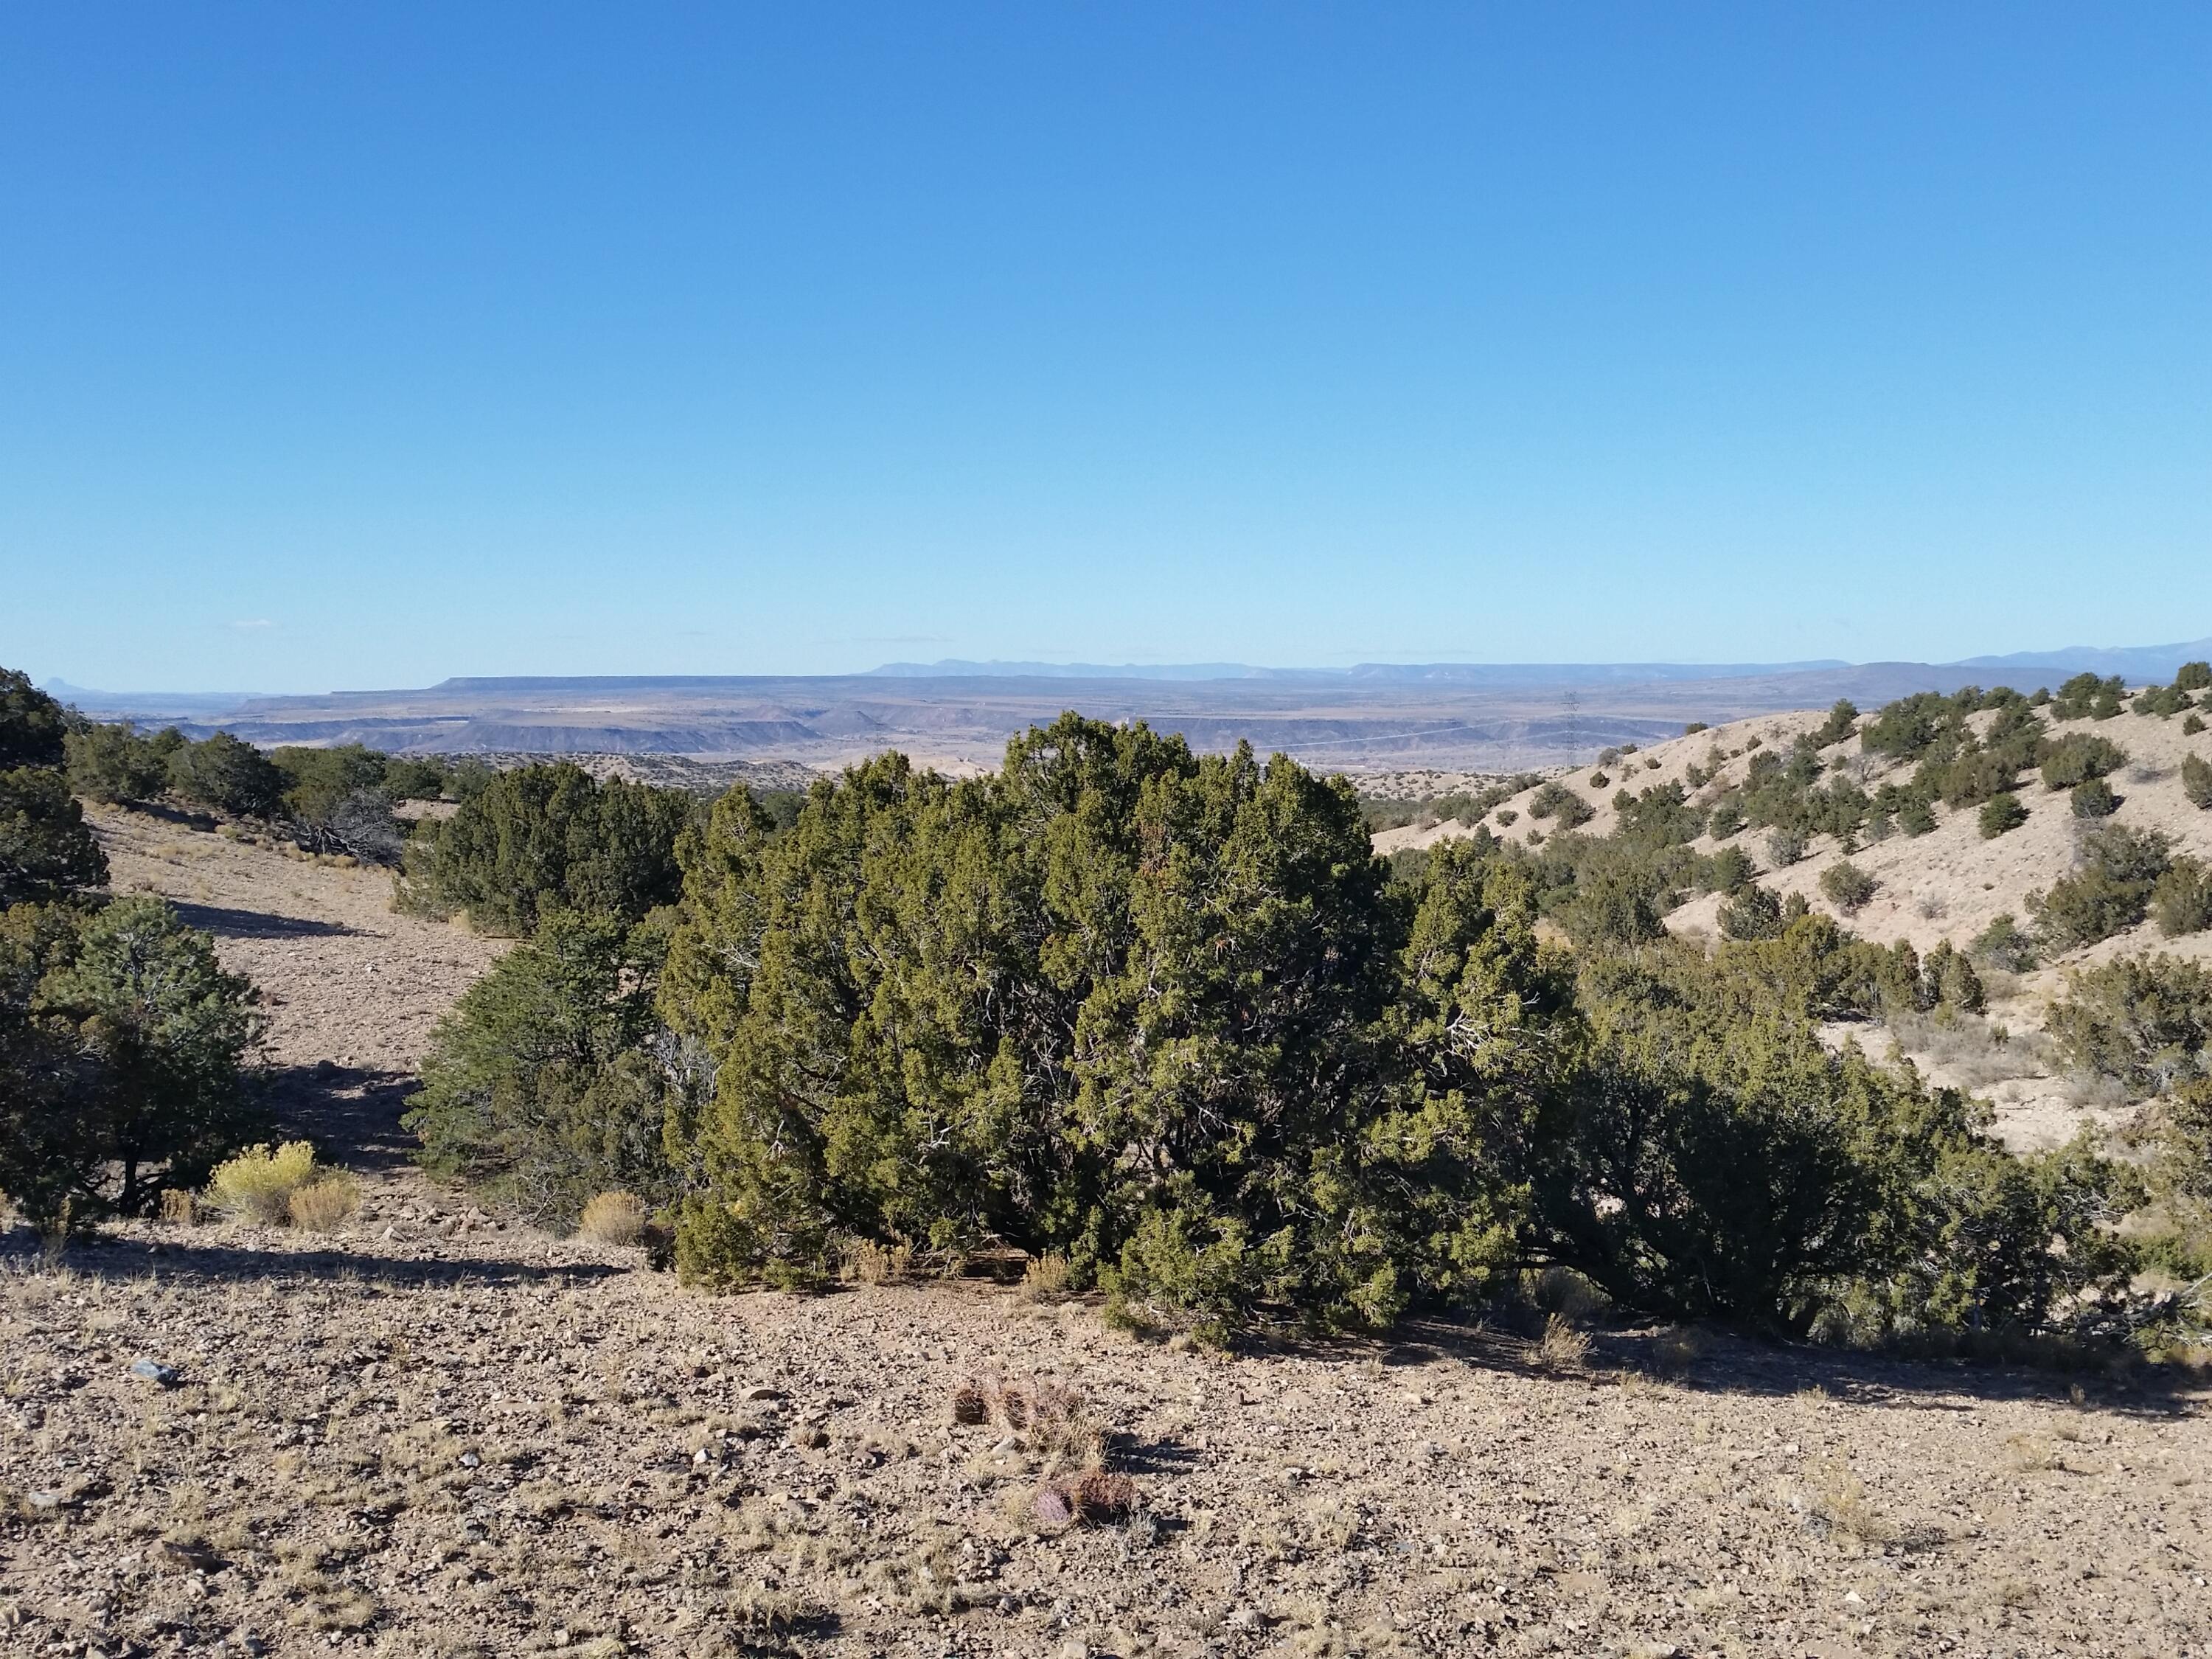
(2079, 756)
(1045, 1276)
(1848, 887)
(1916, 817)
(1562, 1348)
(2144, 1021)
(2094, 799)
(2197, 781)
(1599, 780)
(1694, 726)
(1725, 820)
(613, 1217)
(1554, 800)
(2190, 726)
(1785, 847)
(1507, 817)
(1753, 913)
(878, 1264)
(2004, 944)
(2109, 892)
(179, 1206)
(1729, 870)
(2193, 677)
(1841, 722)
(2181, 900)
(259, 1183)
(324, 1204)
(2000, 813)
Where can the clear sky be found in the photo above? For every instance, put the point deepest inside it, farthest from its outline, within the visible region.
(356, 346)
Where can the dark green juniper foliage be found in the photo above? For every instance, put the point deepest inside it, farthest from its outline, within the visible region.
(1115, 999)
(2181, 899)
(119, 764)
(226, 774)
(1847, 887)
(1556, 800)
(2085, 696)
(2094, 799)
(550, 1080)
(1713, 1158)
(2000, 813)
(2078, 758)
(2108, 891)
(2143, 1021)
(540, 838)
(32, 725)
(1164, 1014)
(2197, 781)
(122, 1042)
(47, 851)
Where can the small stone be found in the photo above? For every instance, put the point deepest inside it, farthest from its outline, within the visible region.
(470, 1461)
(700, 1456)
(1853, 1599)
(761, 1391)
(46, 1501)
(183, 1557)
(154, 1371)
(1011, 1443)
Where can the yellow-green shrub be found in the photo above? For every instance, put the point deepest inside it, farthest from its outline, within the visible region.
(259, 1183)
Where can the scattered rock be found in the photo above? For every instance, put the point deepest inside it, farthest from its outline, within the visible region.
(154, 1371)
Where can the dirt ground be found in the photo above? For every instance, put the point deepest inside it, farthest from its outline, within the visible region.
(434, 1434)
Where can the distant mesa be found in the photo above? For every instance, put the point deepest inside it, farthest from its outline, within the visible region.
(957, 713)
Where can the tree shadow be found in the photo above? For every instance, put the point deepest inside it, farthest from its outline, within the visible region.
(352, 1113)
(1712, 1361)
(225, 923)
(214, 1262)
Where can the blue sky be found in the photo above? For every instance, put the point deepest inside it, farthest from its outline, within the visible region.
(356, 346)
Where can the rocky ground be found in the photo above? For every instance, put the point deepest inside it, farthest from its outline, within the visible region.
(434, 1434)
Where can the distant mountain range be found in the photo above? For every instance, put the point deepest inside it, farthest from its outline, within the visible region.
(1373, 717)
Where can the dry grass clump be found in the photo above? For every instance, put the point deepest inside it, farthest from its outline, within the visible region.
(617, 1218)
(872, 1263)
(259, 1183)
(325, 1204)
(1562, 1348)
(1842, 1499)
(179, 1206)
(1045, 1276)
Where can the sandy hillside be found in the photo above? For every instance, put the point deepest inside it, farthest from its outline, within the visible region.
(1946, 884)
(434, 1434)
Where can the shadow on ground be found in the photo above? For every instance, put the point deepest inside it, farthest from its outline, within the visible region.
(225, 923)
(212, 1262)
(1725, 1362)
(351, 1113)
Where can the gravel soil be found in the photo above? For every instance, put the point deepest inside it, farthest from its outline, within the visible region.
(432, 1433)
